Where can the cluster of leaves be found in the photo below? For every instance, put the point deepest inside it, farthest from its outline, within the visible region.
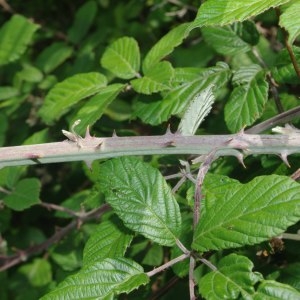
(136, 66)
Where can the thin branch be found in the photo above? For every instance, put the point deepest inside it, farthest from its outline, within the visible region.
(291, 236)
(273, 86)
(168, 264)
(191, 278)
(6, 6)
(292, 56)
(7, 262)
(289, 47)
(296, 174)
(182, 247)
(51, 206)
(282, 118)
(208, 263)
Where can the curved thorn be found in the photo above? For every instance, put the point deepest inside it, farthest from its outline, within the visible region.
(283, 157)
(114, 134)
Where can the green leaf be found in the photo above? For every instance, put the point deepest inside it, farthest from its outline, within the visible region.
(224, 40)
(101, 279)
(157, 79)
(109, 240)
(154, 255)
(233, 278)
(247, 214)
(272, 290)
(165, 46)
(291, 275)
(223, 12)
(30, 74)
(196, 111)
(94, 108)
(53, 56)
(38, 273)
(178, 98)
(25, 194)
(7, 92)
(122, 58)
(248, 99)
(68, 92)
(84, 19)
(15, 36)
(289, 19)
(284, 71)
(141, 197)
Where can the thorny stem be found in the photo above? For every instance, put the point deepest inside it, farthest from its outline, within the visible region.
(7, 262)
(92, 148)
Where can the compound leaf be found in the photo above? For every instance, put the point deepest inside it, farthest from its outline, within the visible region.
(223, 12)
(101, 279)
(246, 214)
(141, 197)
(15, 36)
(68, 92)
(178, 98)
(25, 194)
(247, 99)
(122, 58)
(109, 240)
(232, 278)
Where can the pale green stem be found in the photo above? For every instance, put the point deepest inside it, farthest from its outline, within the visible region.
(92, 148)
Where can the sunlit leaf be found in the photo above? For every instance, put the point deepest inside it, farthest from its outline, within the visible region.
(289, 19)
(223, 12)
(65, 94)
(165, 46)
(15, 37)
(122, 58)
(246, 214)
(141, 197)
